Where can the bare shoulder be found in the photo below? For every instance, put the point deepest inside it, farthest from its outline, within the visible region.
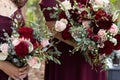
(7, 8)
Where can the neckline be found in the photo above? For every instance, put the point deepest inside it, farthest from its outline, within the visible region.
(5, 16)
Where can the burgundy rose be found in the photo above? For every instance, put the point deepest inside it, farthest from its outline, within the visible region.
(104, 24)
(117, 47)
(100, 14)
(95, 30)
(22, 49)
(62, 15)
(66, 34)
(26, 32)
(107, 49)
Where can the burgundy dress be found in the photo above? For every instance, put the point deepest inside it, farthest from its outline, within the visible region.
(6, 23)
(73, 66)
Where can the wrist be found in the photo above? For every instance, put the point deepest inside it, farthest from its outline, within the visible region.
(1, 65)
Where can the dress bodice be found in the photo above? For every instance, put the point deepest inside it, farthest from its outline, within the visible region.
(45, 4)
(6, 23)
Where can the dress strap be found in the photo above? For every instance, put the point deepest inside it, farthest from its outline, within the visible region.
(19, 17)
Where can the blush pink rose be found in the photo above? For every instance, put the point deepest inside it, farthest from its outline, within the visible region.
(114, 29)
(45, 42)
(101, 33)
(15, 42)
(61, 25)
(34, 62)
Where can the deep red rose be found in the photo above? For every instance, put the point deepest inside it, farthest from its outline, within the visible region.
(62, 15)
(25, 32)
(96, 38)
(117, 47)
(22, 49)
(107, 49)
(66, 34)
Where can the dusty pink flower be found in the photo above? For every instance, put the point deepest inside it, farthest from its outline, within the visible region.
(101, 33)
(4, 48)
(45, 42)
(34, 62)
(114, 29)
(60, 25)
(85, 23)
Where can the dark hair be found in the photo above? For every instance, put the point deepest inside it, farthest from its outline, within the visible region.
(19, 3)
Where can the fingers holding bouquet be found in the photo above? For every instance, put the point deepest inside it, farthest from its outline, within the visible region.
(12, 71)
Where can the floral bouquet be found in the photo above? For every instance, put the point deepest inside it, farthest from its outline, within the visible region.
(92, 24)
(27, 47)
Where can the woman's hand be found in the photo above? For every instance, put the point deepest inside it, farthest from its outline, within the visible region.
(13, 71)
(58, 35)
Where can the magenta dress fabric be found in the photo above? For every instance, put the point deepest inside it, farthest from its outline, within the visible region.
(73, 66)
(6, 23)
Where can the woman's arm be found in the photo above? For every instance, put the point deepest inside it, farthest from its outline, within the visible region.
(13, 71)
(58, 35)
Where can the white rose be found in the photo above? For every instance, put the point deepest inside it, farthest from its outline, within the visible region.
(64, 21)
(4, 48)
(3, 56)
(60, 26)
(66, 4)
(45, 42)
(102, 2)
